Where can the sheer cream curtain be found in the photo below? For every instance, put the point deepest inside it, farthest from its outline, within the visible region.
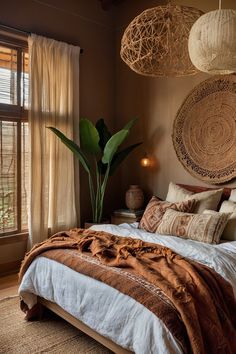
(54, 101)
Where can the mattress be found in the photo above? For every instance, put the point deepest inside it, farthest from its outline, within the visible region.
(105, 309)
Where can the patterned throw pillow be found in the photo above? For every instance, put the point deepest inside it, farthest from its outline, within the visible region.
(199, 227)
(156, 209)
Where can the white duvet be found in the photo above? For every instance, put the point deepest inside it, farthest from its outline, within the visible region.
(111, 313)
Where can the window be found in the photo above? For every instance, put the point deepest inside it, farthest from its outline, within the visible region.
(13, 136)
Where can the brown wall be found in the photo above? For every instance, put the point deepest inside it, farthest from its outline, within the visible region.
(155, 101)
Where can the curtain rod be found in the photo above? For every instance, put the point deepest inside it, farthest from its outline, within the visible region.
(19, 34)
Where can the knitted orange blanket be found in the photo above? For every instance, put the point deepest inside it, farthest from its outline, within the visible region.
(185, 295)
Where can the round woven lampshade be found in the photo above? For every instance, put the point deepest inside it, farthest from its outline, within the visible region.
(156, 42)
(204, 134)
(212, 42)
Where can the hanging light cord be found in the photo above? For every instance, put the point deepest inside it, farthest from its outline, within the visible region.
(219, 4)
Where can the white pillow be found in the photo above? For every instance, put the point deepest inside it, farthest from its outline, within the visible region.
(229, 207)
(232, 196)
(205, 200)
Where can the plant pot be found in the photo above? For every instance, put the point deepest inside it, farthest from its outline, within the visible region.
(90, 223)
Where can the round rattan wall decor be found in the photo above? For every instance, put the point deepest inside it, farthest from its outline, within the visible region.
(204, 130)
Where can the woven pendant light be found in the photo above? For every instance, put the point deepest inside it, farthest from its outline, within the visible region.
(212, 42)
(156, 42)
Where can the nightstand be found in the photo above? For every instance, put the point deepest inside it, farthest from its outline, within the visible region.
(115, 219)
(121, 216)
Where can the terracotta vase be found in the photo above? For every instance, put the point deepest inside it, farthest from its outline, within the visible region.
(134, 197)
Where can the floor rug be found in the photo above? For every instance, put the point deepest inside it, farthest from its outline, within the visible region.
(50, 335)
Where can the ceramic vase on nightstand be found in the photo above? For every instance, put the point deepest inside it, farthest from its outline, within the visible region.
(134, 197)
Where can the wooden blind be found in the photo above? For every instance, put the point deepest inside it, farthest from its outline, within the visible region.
(13, 139)
(8, 190)
(8, 75)
(24, 174)
(25, 80)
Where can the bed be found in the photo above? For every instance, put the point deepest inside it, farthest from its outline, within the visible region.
(109, 316)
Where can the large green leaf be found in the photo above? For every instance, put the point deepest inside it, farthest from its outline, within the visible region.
(89, 137)
(104, 133)
(121, 156)
(112, 145)
(73, 147)
(102, 167)
(130, 124)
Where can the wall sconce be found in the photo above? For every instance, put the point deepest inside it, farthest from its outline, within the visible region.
(145, 161)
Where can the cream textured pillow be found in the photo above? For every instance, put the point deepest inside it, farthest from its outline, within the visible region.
(228, 207)
(176, 193)
(229, 232)
(205, 200)
(155, 210)
(232, 196)
(199, 227)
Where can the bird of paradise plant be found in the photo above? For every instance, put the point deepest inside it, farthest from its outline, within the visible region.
(99, 154)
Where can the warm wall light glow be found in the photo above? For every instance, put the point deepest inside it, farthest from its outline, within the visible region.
(145, 162)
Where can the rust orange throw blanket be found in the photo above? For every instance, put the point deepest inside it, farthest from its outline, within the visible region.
(185, 295)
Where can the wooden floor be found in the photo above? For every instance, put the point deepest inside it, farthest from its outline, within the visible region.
(8, 285)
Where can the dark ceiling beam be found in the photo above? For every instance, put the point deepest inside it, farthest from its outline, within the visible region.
(107, 4)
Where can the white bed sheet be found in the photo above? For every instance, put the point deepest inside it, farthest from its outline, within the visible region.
(111, 313)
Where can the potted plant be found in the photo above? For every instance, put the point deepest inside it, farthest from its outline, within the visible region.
(99, 154)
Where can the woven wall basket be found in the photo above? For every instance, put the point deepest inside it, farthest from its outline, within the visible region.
(156, 42)
(204, 131)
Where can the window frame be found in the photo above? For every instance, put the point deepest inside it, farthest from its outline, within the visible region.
(15, 113)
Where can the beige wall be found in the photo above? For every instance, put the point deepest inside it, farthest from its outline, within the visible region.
(155, 101)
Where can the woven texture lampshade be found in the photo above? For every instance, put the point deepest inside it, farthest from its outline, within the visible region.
(212, 42)
(156, 42)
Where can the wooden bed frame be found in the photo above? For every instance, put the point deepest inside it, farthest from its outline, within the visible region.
(87, 330)
(83, 327)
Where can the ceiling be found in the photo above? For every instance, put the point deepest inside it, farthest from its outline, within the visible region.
(107, 4)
